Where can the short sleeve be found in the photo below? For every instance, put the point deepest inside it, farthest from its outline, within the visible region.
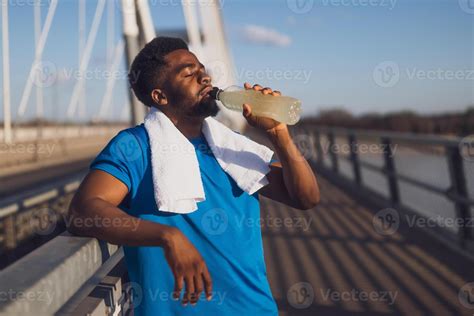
(274, 159)
(120, 158)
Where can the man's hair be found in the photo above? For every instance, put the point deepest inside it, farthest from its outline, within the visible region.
(148, 68)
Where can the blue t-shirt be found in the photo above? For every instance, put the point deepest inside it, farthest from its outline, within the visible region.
(225, 229)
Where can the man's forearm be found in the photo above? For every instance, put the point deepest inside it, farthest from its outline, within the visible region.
(100, 219)
(299, 178)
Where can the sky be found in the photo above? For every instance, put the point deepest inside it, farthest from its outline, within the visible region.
(361, 55)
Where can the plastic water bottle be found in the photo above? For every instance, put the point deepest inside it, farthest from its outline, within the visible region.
(280, 108)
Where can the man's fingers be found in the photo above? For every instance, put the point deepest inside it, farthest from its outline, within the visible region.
(178, 286)
(198, 288)
(257, 87)
(267, 90)
(188, 294)
(246, 110)
(206, 277)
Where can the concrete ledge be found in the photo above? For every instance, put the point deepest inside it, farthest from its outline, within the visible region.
(102, 294)
(44, 280)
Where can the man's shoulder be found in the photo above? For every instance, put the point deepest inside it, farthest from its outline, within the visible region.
(134, 134)
(138, 131)
(129, 144)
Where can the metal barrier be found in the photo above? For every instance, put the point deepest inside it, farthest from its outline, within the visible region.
(69, 275)
(457, 192)
(33, 213)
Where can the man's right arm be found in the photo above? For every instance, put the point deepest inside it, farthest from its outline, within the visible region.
(94, 213)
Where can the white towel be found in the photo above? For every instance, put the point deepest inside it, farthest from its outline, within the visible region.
(175, 169)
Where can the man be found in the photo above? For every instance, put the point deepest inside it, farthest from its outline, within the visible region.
(212, 251)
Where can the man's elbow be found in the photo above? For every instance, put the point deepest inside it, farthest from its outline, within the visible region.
(71, 226)
(74, 222)
(309, 205)
(308, 202)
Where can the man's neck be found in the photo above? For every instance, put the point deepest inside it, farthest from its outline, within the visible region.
(189, 127)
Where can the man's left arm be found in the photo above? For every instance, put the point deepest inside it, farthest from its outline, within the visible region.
(292, 181)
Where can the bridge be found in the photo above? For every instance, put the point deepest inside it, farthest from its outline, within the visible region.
(393, 234)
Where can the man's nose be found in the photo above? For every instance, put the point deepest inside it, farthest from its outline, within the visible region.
(205, 78)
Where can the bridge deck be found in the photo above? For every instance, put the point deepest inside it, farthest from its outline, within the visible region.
(331, 261)
(335, 249)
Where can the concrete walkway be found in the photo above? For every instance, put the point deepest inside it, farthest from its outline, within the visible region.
(331, 261)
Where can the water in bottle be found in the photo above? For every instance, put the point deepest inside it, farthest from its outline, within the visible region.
(280, 108)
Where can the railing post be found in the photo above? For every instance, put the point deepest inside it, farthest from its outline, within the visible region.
(319, 148)
(9, 232)
(391, 171)
(355, 158)
(332, 153)
(459, 189)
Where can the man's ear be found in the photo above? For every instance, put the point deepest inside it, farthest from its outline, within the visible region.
(159, 97)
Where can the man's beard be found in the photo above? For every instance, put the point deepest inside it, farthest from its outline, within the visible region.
(206, 107)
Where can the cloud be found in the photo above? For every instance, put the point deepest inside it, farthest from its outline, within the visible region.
(262, 35)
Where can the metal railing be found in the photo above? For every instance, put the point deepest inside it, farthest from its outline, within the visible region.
(29, 214)
(457, 192)
(69, 275)
(80, 275)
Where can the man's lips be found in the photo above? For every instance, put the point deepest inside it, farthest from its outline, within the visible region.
(205, 91)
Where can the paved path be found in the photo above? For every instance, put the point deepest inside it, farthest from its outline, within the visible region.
(335, 249)
(331, 261)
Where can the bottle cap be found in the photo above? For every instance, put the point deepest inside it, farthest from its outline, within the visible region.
(215, 93)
